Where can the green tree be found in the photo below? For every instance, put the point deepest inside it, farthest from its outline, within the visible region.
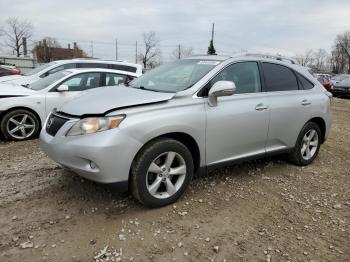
(211, 48)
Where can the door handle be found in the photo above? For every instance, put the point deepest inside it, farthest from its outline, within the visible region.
(305, 102)
(261, 107)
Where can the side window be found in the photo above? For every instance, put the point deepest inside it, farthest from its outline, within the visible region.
(83, 81)
(60, 68)
(123, 68)
(115, 79)
(306, 84)
(54, 70)
(92, 65)
(244, 74)
(279, 78)
(69, 66)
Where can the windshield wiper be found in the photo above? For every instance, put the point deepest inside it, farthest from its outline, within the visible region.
(153, 90)
(26, 86)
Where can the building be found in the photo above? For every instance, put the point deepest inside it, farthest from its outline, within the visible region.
(44, 53)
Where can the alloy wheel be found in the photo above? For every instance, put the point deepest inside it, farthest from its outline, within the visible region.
(166, 174)
(309, 144)
(21, 126)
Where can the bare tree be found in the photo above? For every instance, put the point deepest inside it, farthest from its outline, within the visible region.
(181, 52)
(44, 50)
(338, 59)
(341, 51)
(305, 59)
(321, 61)
(15, 30)
(51, 41)
(151, 56)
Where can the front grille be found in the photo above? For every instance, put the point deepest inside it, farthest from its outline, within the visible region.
(341, 88)
(54, 123)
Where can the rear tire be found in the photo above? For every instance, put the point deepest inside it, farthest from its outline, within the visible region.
(161, 172)
(19, 125)
(307, 145)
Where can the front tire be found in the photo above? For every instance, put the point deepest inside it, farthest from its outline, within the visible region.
(161, 172)
(307, 145)
(19, 125)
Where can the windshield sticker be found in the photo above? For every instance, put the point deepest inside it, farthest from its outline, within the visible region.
(208, 62)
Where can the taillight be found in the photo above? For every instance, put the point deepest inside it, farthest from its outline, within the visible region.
(329, 94)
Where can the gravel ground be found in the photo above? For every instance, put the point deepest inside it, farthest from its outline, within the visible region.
(266, 210)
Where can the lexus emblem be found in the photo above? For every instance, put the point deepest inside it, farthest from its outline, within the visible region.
(49, 123)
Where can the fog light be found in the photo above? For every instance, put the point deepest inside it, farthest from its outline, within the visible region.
(92, 165)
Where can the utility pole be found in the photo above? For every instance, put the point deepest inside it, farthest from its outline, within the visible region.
(211, 49)
(92, 48)
(24, 46)
(116, 49)
(179, 52)
(136, 53)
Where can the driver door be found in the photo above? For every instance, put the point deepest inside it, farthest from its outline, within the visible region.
(77, 84)
(237, 126)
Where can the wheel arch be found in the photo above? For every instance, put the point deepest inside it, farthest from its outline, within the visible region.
(3, 113)
(322, 124)
(185, 139)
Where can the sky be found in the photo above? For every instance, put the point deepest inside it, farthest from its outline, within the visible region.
(268, 26)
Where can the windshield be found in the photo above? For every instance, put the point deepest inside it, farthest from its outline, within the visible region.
(45, 82)
(38, 69)
(339, 77)
(176, 76)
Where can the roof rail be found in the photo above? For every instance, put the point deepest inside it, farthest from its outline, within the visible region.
(277, 57)
(85, 58)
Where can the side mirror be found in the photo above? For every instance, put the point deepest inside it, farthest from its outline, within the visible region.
(62, 88)
(220, 88)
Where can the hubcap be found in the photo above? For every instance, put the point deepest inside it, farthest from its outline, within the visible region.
(310, 144)
(165, 175)
(21, 126)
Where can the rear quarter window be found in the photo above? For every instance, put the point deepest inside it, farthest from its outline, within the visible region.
(92, 65)
(123, 68)
(279, 78)
(305, 84)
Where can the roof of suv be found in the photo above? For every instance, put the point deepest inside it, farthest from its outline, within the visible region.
(210, 57)
(89, 60)
(255, 56)
(86, 70)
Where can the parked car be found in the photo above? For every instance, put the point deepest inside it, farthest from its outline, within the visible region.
(342, 88)
(325, 80)
(188, 116)
(56, 66)
(23, 109)
(337, 78)
(6, 70)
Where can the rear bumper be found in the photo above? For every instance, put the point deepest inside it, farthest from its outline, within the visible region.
(104, 157)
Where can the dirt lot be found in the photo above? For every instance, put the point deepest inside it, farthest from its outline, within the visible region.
(266, 210)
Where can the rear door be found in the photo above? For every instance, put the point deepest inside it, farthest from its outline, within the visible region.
(113, 79)
(76, 84)
(237, 127)
(289, 104)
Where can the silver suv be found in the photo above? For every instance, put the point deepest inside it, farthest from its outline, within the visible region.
(186, 117)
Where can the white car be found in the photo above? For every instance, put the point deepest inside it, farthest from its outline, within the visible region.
(56, 66)
(23, 109)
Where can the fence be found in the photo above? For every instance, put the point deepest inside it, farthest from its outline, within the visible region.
(25, 64)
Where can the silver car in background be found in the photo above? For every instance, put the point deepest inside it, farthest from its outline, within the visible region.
(186, 117)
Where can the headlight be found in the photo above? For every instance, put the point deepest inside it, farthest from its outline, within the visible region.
(91, 125)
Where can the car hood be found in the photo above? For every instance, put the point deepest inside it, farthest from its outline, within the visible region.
(340, 84)
(9, 89)
(9, 78)
(103, 100)
(22, 80)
